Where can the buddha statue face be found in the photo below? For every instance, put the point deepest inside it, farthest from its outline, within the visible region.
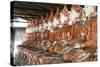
(50, 22)
(28, 28)
(63, 19)
(50, 26)
(37, 28)
(32, 27)
(90, 10)
(44, 25)
(64, 15)
(56, 19)
(40, 27)
(75, 13)
(56, 22)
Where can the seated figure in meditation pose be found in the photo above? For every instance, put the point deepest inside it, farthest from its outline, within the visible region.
(91, 29)
(62, 29)
(88, 53)
(75, 16)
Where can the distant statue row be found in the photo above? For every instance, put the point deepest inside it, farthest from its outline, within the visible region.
(65, 30)
(68, 23)
(77, 13)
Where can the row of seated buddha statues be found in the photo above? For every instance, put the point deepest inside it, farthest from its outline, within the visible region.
(71, 33)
